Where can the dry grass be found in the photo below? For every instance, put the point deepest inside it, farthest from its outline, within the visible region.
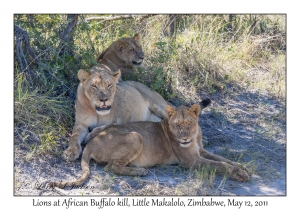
(201, 59)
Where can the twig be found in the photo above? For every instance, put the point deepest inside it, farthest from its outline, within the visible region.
(29, 132)
(118, 17)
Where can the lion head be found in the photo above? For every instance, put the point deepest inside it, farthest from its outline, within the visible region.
(183, 123)
(99, 87)
(123, 52)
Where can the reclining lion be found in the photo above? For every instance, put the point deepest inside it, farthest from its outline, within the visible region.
(174, 140)
(123, 54)
(101, 101)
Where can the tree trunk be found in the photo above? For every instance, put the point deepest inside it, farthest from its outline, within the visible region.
(172, 24)
(66, 39)
(229, 26)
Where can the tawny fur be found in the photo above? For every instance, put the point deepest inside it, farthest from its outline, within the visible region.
(176, 139)
(123, 55)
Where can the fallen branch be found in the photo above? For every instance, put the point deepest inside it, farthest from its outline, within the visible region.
(118, 17)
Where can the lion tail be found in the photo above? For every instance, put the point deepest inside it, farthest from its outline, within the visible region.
(85, 173)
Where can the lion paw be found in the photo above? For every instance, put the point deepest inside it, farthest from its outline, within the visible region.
(142, 172)
(72, 153)
(242, 167)
(240, 175)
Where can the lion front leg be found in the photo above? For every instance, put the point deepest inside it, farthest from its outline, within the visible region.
(221, 167)
(74, 150)
(211, 156)
(207, 155)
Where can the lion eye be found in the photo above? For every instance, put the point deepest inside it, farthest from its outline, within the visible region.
(177, 126)
(109, 85)
(94, 86)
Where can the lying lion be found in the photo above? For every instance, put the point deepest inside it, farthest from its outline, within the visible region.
(144, 144)
(123, 54)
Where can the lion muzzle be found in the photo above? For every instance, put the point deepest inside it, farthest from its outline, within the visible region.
(102, 108)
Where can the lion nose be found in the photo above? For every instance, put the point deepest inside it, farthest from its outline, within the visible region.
(185, 135)
(103, 100)
(141, 56)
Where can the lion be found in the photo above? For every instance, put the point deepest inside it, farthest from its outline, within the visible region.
(131, 148)
(123, 54)
(102, 98)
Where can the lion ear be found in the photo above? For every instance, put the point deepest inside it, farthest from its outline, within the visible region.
(82, 75)
(121, 45)
(195, 110)
(137, 37)
(170, 111)
(116, 76)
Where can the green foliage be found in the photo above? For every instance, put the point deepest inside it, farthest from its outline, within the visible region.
(48, 142)
(47, 118)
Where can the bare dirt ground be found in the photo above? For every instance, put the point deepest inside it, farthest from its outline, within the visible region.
(244, 126)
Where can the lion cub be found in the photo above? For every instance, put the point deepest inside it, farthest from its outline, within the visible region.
(176, 139)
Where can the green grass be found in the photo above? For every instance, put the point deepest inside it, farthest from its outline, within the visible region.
(46, 119)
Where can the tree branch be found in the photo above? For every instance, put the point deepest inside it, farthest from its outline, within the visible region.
(118, 17)
(21, 34)
(73, 19)
(65, 39)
